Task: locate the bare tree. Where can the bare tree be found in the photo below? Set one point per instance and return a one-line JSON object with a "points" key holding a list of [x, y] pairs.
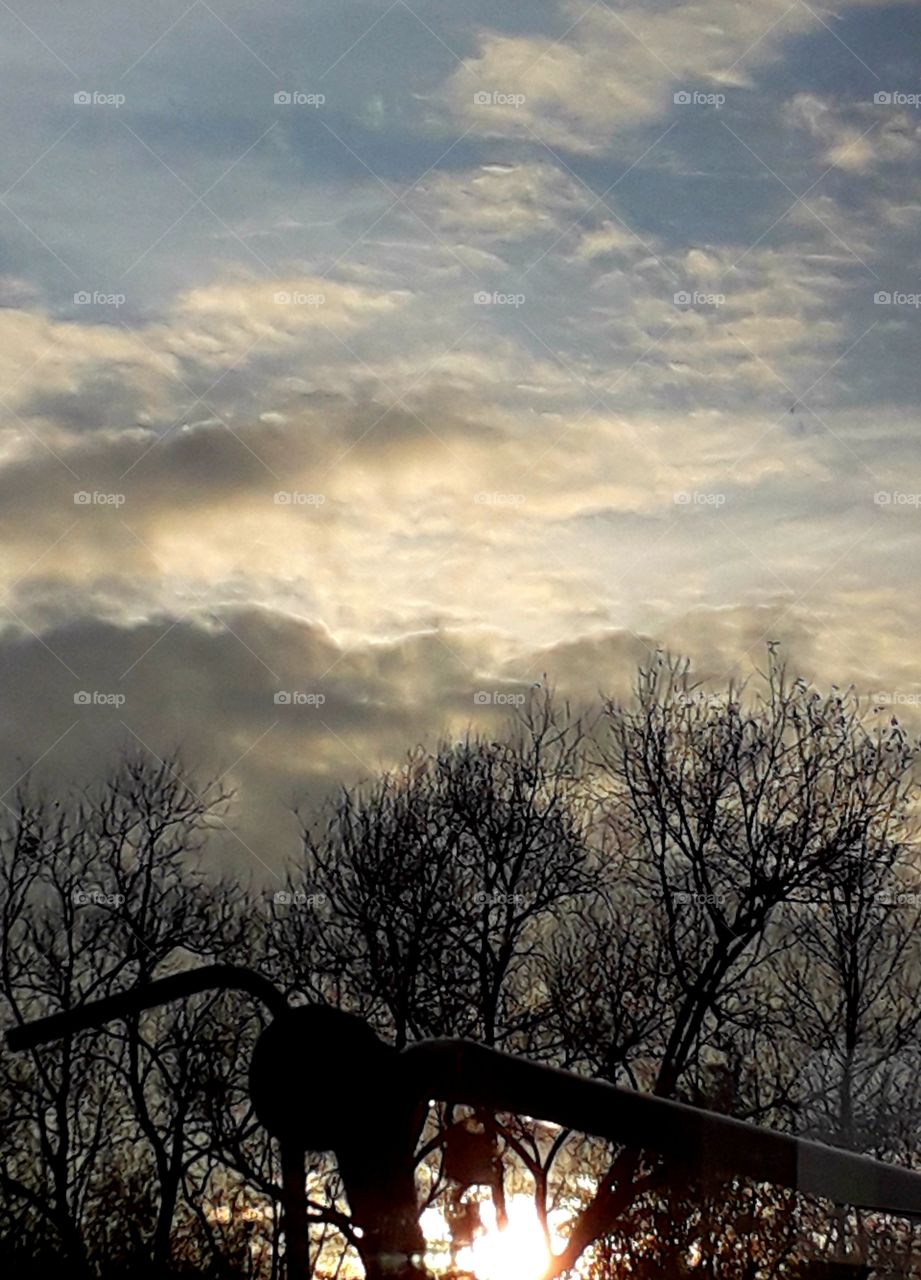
{"points": [[706, 895], [96, 896], [426, 903]]}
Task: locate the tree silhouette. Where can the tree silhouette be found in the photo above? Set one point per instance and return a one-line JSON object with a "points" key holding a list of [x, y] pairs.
{"points": [[707, 895]]}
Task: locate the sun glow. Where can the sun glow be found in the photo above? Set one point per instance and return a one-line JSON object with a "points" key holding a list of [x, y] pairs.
{"points": [[517, 1253]]}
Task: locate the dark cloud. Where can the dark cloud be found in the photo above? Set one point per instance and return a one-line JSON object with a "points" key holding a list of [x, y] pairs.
{"points": [[271, 704]]}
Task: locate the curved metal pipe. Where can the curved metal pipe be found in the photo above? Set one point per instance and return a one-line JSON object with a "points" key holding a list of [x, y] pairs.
{"points": [[178, 986]]}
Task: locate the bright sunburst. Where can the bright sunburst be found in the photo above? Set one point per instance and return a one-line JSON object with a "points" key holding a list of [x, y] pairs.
{"points": [[517, 1253]]}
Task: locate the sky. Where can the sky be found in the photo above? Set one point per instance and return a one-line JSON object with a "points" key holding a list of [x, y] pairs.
{"points": [[363, 363]]}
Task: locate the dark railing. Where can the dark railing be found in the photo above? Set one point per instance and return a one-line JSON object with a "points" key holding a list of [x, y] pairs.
{"points": [[322, 1080]]}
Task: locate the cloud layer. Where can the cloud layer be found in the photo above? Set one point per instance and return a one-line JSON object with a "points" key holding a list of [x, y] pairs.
{"points": [[408, 352]]}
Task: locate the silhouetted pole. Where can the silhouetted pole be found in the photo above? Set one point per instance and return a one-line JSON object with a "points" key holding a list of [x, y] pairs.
{"points": [[324, 1080], [294, 1211]]}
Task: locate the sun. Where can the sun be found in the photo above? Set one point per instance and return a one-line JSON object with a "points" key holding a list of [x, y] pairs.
{"points": [[517, 1253]]}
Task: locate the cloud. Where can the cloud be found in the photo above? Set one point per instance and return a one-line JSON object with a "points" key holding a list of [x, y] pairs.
{"points": [[616, 68], [283, 714], [418, 390], [856, 138], [272, 705]]}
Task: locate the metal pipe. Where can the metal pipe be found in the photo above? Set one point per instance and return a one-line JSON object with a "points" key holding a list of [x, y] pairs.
{"points": [[464, 1072], [461, 1071], [178, 986]]}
